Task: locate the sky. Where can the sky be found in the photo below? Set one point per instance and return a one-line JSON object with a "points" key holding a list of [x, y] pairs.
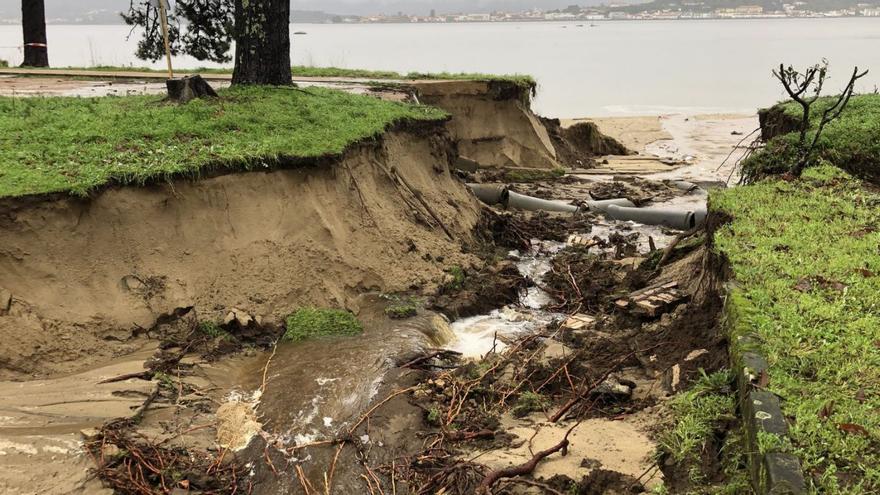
{"points": [[73, 8]]}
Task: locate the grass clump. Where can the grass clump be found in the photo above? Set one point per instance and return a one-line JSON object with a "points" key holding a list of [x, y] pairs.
{"points": [[527, 403], [806, 261], [76, 145], [701, 418], [850, 142], [532, 174], [213, 330], [455, 279], [401, 308], [309, 323]]}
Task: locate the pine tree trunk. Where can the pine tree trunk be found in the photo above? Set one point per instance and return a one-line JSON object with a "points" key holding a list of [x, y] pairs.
{"points": [[262, 42], [33, 17]]}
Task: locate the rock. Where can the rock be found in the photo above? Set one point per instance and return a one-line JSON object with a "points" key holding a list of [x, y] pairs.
{"points": [[239, 317], [614, 388]]}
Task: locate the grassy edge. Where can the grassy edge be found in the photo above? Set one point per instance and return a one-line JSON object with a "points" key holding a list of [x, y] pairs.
{"points": [[772, 226]]}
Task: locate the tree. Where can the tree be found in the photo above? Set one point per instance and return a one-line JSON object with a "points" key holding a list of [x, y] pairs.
{"points": [[205, 29], [805, 88], [33, 23]]}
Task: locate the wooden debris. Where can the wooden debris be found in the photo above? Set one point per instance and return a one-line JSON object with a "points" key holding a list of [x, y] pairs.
{"points": [[653, 301], [579, 322], [577, 240]]}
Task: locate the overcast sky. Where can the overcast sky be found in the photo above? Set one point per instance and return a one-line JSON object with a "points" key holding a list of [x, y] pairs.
{"points": [[72, 8]]}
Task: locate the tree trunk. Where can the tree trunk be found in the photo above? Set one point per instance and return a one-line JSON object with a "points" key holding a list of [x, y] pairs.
{"points": [[33, 23], [262, 42]]}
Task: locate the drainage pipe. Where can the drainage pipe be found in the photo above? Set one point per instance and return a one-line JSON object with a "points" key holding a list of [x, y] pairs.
{"points": [[602, 205], [676, 219], [523, 202], [491, 194]]}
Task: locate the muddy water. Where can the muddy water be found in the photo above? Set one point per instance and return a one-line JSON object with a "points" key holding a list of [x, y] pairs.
{"points": [[315, 389]]}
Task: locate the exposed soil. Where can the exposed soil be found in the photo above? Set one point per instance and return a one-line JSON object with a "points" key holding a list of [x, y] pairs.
{"points": [[232, 241], [493, 130], [578, 145]]}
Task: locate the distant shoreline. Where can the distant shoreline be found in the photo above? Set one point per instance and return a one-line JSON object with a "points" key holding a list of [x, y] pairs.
{"points": [[518, 21]]}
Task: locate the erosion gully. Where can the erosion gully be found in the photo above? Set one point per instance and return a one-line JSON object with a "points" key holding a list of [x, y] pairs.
{"points": [[315, 390]]}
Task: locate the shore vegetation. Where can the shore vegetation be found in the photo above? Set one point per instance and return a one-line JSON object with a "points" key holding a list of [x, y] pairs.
{"points": [[77, 145], [804, 257], [849, 142], [310, 323]]}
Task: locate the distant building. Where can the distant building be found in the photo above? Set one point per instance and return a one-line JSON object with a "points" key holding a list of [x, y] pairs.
{"points": [[871, 12]]}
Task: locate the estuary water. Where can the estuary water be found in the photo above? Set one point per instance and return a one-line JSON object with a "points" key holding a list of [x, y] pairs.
{"points": [[609, 68]]}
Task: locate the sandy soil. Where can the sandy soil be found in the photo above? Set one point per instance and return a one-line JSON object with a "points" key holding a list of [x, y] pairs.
{"points": [[265, 243], [634, 132]]}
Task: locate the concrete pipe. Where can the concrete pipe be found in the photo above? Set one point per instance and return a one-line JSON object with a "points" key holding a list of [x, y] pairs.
{"points": [[676, 219], [684, 185], [700, 216], [491, 194], [523, 202], [602, 205]]}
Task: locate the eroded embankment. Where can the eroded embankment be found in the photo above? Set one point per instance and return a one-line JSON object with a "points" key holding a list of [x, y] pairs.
{"points": [[492, 123], [85, 275]]}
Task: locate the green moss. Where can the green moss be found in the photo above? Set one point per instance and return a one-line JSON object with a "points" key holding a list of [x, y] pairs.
{"points": [[821, 339], [457, 280], [529, 402], [532, 174], [75, 145], [401, 308], [213, 330], [434, 416], [309, 323], [849, 142]]}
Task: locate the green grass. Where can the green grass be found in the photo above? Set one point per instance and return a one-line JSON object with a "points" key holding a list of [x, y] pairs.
{"points": [[523, 175], [75, 145], [698, 416], [524, 81], [309, 323], [400, 308], [822, 339], [850, 142]]}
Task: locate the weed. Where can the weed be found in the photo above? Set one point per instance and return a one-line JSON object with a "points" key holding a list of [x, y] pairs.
{"points": [[402, 307], [308, 323], [434, 417], [529, 402], [456, 280], [532, 175]]}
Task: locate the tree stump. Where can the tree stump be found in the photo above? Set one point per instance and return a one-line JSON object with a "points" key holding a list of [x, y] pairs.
{"points": [[189, 88]]}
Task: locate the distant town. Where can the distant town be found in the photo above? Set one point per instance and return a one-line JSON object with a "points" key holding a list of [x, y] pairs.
{"points": [[684, 10], [655, 10]]}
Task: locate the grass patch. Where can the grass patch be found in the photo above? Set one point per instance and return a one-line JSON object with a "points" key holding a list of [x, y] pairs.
{"points": [[400, 308], [850, 142], [700, 418], [531, 174], [76, 145], [309, 323], [520, 80], [213, 330], [806, 261], [527, 403]]}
